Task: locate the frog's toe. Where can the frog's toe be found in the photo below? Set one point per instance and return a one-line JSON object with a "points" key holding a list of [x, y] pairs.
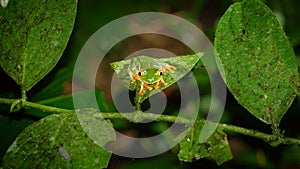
{"points": [[163, 83]]}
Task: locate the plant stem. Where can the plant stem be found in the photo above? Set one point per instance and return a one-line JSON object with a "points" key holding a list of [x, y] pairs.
{"points": [[144, 116], [137, 101], [47, 108], [36, 106], [23, 94], [273, 139]]}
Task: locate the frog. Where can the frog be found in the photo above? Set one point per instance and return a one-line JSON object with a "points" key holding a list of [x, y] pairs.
{"points": [[149, 77]]}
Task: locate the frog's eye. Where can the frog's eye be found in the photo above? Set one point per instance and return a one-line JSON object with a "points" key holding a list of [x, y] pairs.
{"points": [[160, 73], [140, 73]]}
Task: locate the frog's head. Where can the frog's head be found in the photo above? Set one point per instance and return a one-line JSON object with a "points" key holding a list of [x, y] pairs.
{"points": [[150, 77]]}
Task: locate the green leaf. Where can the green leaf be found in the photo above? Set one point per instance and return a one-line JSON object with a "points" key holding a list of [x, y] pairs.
{"points": [[257, 59], [93, 124], [33, 36], [11, 125], [57, 141], [183, 65], [215, 147], [295, 83]]}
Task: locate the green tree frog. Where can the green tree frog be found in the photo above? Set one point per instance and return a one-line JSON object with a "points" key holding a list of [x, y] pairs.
{"points": [[151, 77]]}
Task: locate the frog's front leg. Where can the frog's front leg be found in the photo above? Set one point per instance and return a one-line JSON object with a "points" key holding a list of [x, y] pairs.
{"points": [[143, 86], [160, 82], [134, 76]]}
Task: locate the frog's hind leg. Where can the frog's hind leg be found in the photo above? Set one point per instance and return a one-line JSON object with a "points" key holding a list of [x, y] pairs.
{"points": [[168, 67]]}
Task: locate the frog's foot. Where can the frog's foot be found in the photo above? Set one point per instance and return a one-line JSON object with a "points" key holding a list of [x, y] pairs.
{"points": [[168, 67], [147, 86], [143, 86], [163, 83], [158, 83], [141, 92]]}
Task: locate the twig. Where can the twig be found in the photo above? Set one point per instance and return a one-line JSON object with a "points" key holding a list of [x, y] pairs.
{"points": [[273, 139]]}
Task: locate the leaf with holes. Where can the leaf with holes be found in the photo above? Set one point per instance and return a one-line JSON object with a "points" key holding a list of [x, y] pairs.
{"points": [[59, 141], [215, 147], [257, 59], [33, 36], [148, 75]]}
